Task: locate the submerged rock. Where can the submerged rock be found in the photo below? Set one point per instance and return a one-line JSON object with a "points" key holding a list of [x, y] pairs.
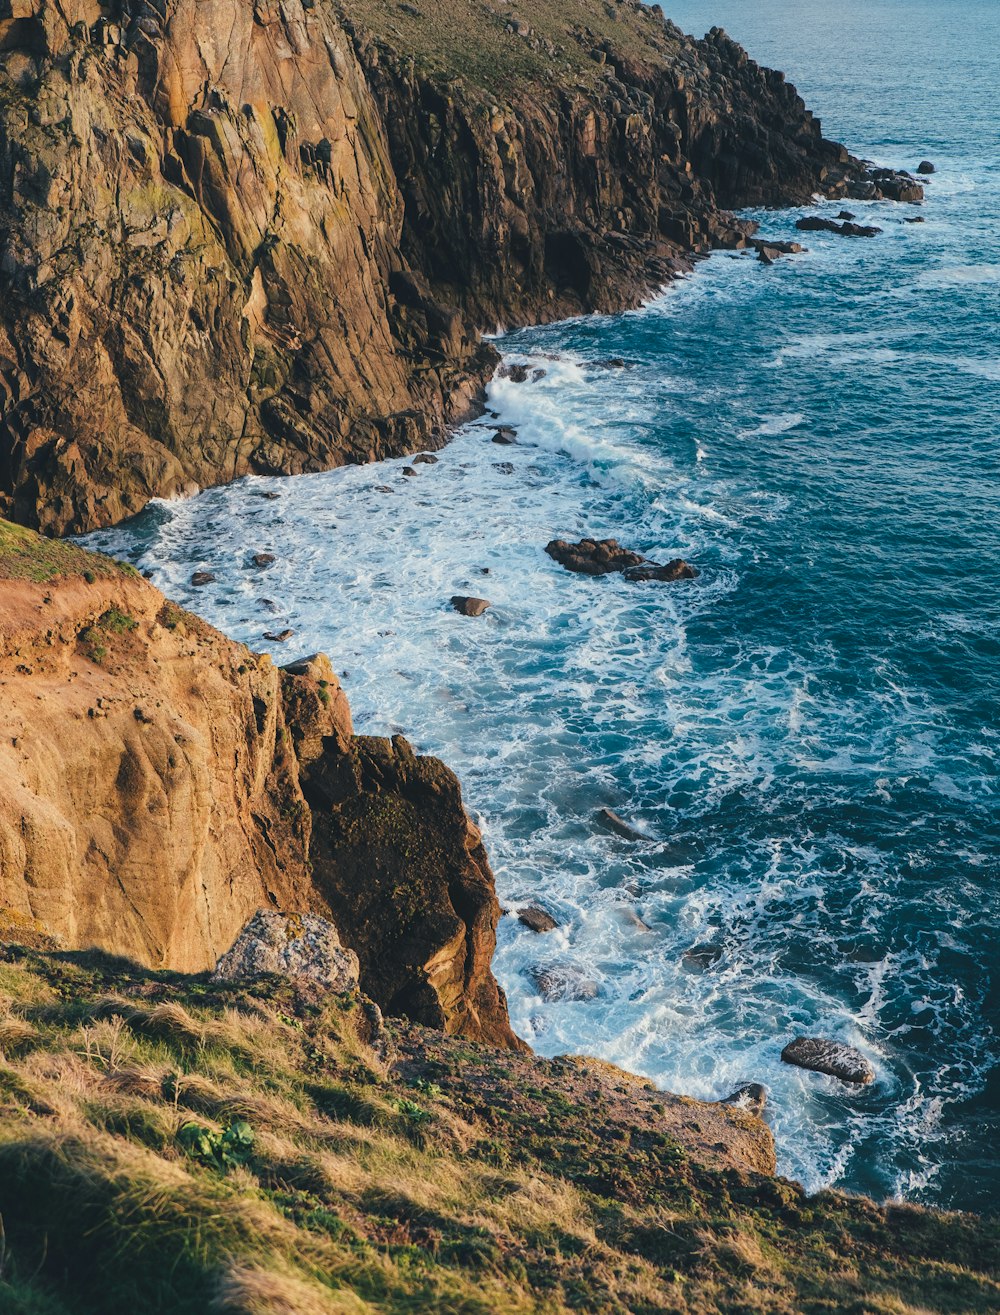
{"points": [[537, 919], [610, 820], [295, 945], [564, 982], [467, 606], [262, 559], [699, 958], [505, 436], [831, 1057]]}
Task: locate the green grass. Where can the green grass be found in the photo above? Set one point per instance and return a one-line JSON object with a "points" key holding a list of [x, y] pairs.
{"points": [[25, 555], [469, 39], [168, 1145]]}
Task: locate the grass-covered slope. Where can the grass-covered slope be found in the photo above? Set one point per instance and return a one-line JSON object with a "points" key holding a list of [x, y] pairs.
{"points": [[167, 1145]]}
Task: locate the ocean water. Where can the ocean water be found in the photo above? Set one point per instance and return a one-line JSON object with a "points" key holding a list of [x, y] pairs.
{"points": [[807, 734]]}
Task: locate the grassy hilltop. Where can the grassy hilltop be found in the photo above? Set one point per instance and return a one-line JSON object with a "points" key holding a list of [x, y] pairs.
{"points": [[167, 1145]]}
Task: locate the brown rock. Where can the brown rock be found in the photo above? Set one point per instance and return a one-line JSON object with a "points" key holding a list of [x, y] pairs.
{"points": [[593, 556], [829, 1057], [210, 340], [160, 784], [157, 837], [505, 436], [262, 559], [536, 919], [407, 879], [279, 636], [610, 820], [678, 569], [469, 606], [200, 578]]}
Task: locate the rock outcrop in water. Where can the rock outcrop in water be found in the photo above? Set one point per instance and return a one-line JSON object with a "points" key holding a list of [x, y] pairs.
{"points": [[239, 235], [160, 784], [608, 557]]}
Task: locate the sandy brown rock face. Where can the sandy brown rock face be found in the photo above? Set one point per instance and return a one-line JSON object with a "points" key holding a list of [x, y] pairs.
{"points": [[237, 235], [149, 803], [159, 785]]}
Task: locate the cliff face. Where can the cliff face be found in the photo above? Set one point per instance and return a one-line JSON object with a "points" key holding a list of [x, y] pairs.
{"points": [[151, 797], [242, 236]]}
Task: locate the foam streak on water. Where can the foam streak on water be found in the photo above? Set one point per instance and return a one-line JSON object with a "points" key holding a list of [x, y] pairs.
{"points": [[807, 733]]}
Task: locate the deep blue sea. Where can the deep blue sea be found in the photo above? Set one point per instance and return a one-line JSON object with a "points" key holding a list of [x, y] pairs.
{"points": [[808, 733]]}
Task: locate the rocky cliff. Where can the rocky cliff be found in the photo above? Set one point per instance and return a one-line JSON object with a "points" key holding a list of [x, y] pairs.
{"points": [[262, 235], [159, 784]]}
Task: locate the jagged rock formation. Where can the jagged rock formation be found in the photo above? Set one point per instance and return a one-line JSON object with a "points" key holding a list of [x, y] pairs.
{"points": [[159, 784], [243, 235], [399, 863]]}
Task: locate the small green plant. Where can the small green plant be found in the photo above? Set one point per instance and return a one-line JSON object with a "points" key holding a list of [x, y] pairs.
{"points": [[430, 1089], [116, 622], [219, 1150], [411, 1110]]}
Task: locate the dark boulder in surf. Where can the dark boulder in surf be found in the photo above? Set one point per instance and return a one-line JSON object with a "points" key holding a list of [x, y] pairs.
{"points": [[537, 919], [752, 1097], [593, 556], [678, 569], [817, 224], [925, 167], [517, 374], [469, 606], [607, 556], [831, 1057]]}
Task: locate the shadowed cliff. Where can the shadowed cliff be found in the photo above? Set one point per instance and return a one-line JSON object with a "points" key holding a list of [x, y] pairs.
{"points": [[257, 236]]}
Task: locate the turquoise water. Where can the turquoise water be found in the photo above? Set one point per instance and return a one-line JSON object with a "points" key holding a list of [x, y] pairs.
{"points": [[808, 732]]}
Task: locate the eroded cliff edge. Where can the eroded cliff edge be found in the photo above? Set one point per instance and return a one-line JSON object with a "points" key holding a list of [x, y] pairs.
{"points": [[263, 235], [160, 783]]}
